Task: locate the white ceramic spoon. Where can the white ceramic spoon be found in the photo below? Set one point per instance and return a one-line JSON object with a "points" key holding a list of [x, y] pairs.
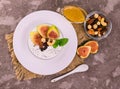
{"points": [[80, 68]]}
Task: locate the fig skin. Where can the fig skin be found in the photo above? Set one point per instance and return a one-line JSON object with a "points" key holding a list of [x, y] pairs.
{"points": [[36, 38], [94, 46], [53, 33], [83, 51], [43, 29]]}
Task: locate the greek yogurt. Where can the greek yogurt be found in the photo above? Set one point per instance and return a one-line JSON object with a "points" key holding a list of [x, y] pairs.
{"points": [[48, 53]]}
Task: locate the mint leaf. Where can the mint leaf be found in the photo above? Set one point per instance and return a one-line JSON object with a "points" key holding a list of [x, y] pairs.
{"points": [[55, 45], [60, 42], [63, 41]]}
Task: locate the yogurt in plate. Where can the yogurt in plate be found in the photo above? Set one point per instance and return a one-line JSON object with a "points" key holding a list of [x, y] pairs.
{"points": [[49, 53]]}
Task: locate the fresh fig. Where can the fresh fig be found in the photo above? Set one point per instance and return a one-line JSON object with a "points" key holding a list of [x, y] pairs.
{"points": [[35, 38], [94, 46], [43, 29], [53, 32], [84, 51]]}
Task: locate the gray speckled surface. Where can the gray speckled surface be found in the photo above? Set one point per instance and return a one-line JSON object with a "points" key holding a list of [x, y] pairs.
{"points": [[104, 72]]}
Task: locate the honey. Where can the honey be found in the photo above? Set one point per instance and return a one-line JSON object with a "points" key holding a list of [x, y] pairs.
{"points": [[74, 14]]}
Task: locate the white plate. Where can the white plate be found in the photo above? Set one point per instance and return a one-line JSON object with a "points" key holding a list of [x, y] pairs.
{"points": [[25, 56]]}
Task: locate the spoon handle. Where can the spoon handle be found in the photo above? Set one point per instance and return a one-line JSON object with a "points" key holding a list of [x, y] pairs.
{"points": [[58, 78], [81, 68]]}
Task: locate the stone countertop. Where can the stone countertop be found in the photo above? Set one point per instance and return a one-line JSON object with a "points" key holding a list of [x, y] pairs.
{"points": [[104, 72]]}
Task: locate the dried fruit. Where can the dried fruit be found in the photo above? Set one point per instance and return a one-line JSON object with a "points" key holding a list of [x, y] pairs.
{"points": [[99, 29], [91, 32], [53, 32], [84, 51], [94, 46], [96, 25], [90, 21], [99, 18]]}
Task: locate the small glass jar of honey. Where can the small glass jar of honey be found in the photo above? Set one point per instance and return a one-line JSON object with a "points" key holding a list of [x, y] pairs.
{"points": [[74, 14]]}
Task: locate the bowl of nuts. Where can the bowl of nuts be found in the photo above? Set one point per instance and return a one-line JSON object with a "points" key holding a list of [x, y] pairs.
{"points": [[97, 26]]}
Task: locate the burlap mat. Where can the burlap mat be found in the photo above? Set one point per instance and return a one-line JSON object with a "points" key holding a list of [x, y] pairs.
{"points": [[24, 74]]}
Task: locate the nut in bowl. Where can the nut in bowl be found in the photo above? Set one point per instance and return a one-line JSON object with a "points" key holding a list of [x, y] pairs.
{"points": [[97, 26]]}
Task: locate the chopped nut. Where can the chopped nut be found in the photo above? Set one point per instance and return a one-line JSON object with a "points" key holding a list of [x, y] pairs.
{"points": [[102, 20], [104, 23], [99, 35], [98, 23], [96, 15], [104, 33], [96, 32], [95, 26], [89, 26], [43, 40], [50, 42]]}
